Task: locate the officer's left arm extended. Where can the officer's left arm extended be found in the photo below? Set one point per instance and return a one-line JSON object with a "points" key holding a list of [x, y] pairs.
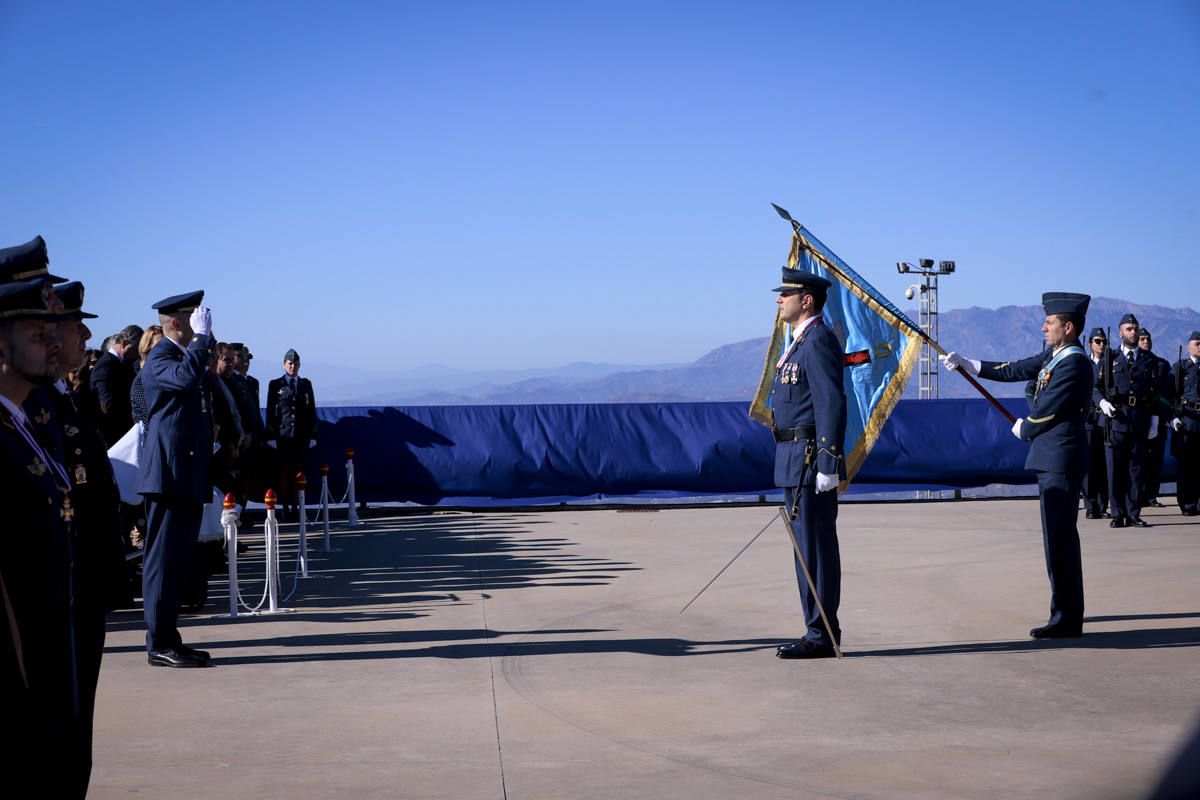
{"points": [[825, 370], [1024, 370], [1065, 395]]}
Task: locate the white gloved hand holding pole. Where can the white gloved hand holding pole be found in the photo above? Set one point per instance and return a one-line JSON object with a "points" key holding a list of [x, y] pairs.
{"points": [[953, 361], [201, 321], [826, 482], [1016, 428]]}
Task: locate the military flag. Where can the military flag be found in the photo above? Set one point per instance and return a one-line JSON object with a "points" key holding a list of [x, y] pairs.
{"points": [[881, 346]]}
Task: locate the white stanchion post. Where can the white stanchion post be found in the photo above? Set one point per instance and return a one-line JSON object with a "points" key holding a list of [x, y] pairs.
{"points": [[325, 509], [301, 486], [352, 516], [272, 529], [229, 522]]}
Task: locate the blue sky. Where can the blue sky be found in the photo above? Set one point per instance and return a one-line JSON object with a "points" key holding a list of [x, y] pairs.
{"points": [[507, 185]]}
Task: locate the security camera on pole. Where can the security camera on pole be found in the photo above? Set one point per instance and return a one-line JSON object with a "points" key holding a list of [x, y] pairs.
{"points": [[928, 319]]}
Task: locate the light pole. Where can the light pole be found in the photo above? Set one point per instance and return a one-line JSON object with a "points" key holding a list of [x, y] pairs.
{"points": [[927, 318]]}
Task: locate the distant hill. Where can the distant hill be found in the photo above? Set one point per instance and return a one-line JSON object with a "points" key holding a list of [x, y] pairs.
{"points": [[729, 372]]}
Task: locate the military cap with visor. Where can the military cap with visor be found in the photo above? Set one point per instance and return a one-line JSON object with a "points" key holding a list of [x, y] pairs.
{"points": [[799, 279], [26, 300], [1065, 303], [24, 262], [71, 295], [179, 303]]}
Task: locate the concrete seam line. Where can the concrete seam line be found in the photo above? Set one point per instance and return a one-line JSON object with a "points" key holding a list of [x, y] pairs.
{"points": [[488, 647]]}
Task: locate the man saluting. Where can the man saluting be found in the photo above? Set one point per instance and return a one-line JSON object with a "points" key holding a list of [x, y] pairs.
{"points": [[1058, 449]]}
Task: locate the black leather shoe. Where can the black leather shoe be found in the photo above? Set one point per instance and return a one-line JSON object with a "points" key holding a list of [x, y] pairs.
{"points": [[805, 649], [1062, 630], [204, 654], [1090, 514], [1155, 503], [1189, 512], [1138, 522], [1118, 522], [175, 657]]}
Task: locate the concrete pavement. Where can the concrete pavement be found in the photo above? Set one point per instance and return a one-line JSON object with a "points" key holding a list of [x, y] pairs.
{"points": [[542, 655]]}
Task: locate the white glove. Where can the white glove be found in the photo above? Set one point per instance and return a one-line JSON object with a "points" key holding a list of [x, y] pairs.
{"points": [[1176, 424], [826, 482], [1107, 408], [312, 443], [1153, 428], [271, 443], [953, 361], [201, 321], [1016, 428]]}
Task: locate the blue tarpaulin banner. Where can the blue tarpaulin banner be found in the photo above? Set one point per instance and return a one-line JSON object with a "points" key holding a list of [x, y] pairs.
{"points": [[549, 453]]}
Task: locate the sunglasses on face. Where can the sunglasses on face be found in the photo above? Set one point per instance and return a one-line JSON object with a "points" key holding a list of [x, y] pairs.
{"points": [[1099, 341]]}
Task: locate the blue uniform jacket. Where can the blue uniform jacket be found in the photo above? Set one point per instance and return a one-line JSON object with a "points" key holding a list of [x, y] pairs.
{"points": [[1188, 402], [178, 445], [1135, 393], [1054, 427], [808, 391]]}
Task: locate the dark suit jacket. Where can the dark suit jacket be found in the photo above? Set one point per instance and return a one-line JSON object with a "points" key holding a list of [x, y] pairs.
{"points": [[808, 391], [111, 379], [291, 414], [1054, 427], [179, 436]]}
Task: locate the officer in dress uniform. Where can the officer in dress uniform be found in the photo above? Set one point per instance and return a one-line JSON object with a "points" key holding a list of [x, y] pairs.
{"points": [[1130, 406], [39, 668], [1095, 481], [1185, 426], [1156, 448], [291, 423], [102, 574], [809, 405], [1058, 450], [173, 473]]}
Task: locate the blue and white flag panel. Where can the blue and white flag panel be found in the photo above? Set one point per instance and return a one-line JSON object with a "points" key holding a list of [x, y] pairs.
{"points": [[881, 347]]}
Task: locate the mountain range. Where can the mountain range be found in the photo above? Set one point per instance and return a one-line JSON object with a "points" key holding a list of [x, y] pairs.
{"points": [[729, 372]]}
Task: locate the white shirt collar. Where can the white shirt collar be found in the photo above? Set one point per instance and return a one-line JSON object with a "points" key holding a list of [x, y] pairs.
{"points": [[18, 413], [177, 344], [61, 385], [115, 353]]}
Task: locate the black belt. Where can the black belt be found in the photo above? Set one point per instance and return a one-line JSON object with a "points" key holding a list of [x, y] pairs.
{"points": [[1131, 400], [802, 434]]}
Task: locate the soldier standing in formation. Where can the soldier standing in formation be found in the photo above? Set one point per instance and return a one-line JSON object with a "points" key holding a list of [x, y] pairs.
{"points": [[1156, 447], [1185, 426], [1130, 406], [1095, 481], [49, 653]]}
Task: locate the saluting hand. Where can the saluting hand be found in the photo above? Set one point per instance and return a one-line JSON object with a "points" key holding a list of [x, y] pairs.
{"points": [[201, 321]]}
